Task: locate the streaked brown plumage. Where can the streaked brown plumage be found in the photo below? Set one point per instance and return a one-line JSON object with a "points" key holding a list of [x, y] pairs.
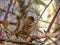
{"points": [[28, 27]]}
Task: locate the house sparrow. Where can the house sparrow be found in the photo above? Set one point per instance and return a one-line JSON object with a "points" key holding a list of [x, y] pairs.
{"points": [[28, 27]]}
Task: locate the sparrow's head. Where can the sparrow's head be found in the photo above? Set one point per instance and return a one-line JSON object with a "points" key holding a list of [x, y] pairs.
{"points": [[30, 19]]}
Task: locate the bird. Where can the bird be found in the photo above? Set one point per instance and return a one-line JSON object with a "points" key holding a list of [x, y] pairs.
{"points": [[28, 27]]}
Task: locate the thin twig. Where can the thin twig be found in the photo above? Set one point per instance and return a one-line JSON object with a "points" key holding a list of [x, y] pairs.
{"points": [[44, 10], [7, 12]]}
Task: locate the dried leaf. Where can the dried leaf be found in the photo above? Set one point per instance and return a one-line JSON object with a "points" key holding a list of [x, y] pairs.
{"points": [[6, 23]]}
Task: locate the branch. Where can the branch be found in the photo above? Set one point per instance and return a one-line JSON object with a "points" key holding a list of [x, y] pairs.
{"points": [[32, 37], [49, 27], [18, 41], [43, 35], [27, 5], [44, 10], [23, 9], [6, 15]]}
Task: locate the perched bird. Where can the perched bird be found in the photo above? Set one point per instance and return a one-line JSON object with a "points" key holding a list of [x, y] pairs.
{"points": [[28, 27]]}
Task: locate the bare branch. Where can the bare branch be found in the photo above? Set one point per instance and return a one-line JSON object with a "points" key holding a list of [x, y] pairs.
{"points": [[49, 27], [18, 41], [44, 10], [33, 37], [43, 35]]}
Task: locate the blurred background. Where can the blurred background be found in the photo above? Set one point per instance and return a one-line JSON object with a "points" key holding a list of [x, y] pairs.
{"points": [[42, 11]]}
